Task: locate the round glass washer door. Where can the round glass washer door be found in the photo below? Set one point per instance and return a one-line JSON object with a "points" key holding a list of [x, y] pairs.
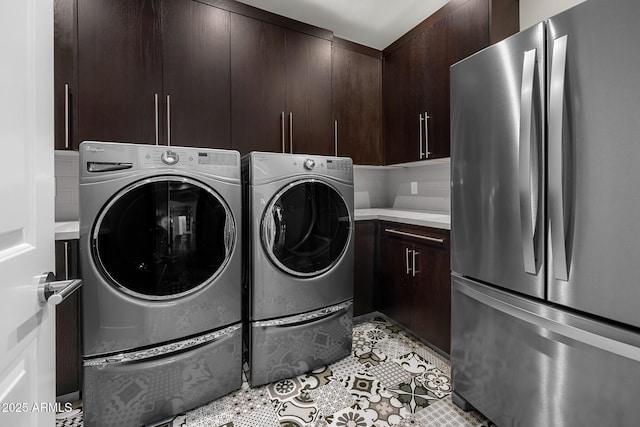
{"points": [[306, 228], [163, 237]]}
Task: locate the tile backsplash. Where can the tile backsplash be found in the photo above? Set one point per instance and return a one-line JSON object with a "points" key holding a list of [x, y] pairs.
{"points": [[391, 187], [67, 185]]}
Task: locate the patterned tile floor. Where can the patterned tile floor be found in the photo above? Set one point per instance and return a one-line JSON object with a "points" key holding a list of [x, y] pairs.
{"points": [[390, 379]]}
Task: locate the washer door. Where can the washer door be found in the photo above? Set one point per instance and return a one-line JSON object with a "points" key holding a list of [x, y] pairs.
{"points": [[306, 228], [163, 238]]}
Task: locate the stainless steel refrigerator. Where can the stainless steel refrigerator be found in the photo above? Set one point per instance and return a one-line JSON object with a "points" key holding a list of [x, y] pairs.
{"points": [[545, 232]]}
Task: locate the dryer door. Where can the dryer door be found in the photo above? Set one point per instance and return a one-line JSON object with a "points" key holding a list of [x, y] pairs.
{"points": [[306, 228], [163, 237]]}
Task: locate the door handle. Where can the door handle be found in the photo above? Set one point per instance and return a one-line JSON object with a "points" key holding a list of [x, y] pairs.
{"points": [[335, 137], [168, 121], [406, 260], [157, 119], [282, 130], [527, 177], [420, 120], [556, 159], [290, 132], [54, 292], [413, 263], [426, 135], [66, 116]]}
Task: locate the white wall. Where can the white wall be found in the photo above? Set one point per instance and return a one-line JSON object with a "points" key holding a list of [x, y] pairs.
{"points": [[534, 11]]}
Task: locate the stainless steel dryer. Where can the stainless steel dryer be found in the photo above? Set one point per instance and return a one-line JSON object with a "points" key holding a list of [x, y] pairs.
{"points": [[298, 276], [160, 258]]}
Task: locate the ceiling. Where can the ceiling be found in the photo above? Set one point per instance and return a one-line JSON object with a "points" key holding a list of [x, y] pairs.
{"points": [[373, 23]]}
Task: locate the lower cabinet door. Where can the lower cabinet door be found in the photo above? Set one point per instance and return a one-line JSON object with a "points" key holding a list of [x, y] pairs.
{"points": [[138, 388], [290, 346]]}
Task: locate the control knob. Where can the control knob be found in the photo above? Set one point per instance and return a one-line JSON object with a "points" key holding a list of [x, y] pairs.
{"points": [[170, 157], [309, 164]]}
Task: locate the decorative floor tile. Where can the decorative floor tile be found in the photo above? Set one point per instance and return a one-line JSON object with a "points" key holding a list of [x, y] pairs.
{"points": [[390, 374], [444, 413], [299, 411], [436, 382], [264, 417], [394, 347], [331, 398], [389, 410], [354, 416], [362, 386], [316, 378], [413, 363], [414, 396], [368, 356], [433, 358], [345, 367]]}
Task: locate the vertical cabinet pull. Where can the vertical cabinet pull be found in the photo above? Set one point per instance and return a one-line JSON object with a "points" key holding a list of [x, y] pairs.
{"points": [[66, 260], [157, 119], [335, 137], [66, 115], [426, 135], [282, 130], [420, 120], [290, 132], [414, 271], [406, 259], [169, 120]]}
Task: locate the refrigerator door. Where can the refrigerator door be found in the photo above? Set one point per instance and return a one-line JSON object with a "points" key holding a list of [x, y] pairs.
{"points": [[525, 363], [497, 164], [594, 153]]}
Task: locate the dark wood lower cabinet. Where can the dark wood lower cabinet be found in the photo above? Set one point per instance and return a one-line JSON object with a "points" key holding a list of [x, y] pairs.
{"points": [[68, 321], [365, 268], [415, 280]]}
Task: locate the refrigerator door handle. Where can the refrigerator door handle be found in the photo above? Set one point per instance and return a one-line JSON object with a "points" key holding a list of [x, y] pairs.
{"points": [[556, 159], [527, 176]]}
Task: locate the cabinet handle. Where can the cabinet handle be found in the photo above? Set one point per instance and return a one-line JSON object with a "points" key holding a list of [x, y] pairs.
{"points": [[290, 132], [66, 115], [282, 129], [420, 120], [168, 120], [157, 124], [406, 259], [417, 236], [413, 264], [66, 260], [426, 135], [335, 137]]}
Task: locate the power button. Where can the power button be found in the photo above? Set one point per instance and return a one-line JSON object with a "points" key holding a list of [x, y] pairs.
{"points": [[309, 164], [169, 157]]}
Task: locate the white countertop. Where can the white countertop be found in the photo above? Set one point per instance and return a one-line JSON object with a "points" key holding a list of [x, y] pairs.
{"points": [[425, 219], [67, 230]]}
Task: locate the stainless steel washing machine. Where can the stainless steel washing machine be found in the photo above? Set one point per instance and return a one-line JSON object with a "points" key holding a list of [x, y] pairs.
{"points": [[160, 256], [298, 275]]}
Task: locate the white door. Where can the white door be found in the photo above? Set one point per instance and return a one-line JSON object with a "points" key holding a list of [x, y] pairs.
{"points": [[27, 327]]}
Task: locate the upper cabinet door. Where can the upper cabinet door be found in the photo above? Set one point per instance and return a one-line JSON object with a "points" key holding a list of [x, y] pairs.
{"points": [[308, 74], [258, 100], [357, 100], [64, 70], [120, 70], [196, 74]]}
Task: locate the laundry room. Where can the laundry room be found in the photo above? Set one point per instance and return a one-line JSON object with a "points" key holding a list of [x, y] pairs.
{"points": [[263, 213]]}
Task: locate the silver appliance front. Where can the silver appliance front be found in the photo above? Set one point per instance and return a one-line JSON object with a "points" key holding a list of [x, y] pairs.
{"points": [[522, 362], [137, 388], [497, 197], [290, 346], [159, 244]]}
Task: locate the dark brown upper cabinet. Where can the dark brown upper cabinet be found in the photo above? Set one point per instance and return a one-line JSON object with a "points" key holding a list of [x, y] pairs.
{"points": [[416, 74], [65, 81], [281, 89], [153, 72], [357, 102]]}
